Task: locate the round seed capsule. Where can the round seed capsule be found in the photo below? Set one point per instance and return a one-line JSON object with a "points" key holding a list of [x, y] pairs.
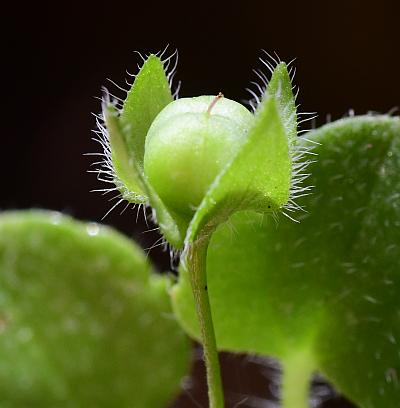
{"points": [[188, 145]]}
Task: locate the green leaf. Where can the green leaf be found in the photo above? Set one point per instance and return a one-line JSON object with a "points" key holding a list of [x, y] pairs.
{"points": [[258, 178], [149, 94], [327, 288], [83, 320]]}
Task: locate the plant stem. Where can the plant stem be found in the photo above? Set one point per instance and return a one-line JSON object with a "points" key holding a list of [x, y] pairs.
{"points": [[196, 265], [296, 380]]}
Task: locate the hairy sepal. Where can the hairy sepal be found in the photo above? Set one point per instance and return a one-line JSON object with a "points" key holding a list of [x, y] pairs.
{"points": [[281, 89], [258, 178], [149, 94], [127, 132], [128, 177], [133, 185]]}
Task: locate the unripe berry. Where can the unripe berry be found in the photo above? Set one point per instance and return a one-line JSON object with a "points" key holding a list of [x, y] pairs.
{"points": [[188, 145]]}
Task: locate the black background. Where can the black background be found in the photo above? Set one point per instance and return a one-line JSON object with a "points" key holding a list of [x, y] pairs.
{"points": [[57, 56]]}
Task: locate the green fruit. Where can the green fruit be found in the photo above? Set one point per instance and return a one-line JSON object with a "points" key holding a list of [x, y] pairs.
{"points": [[188, 145]]}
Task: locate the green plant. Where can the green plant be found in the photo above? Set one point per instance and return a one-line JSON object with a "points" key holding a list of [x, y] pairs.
{"points": [[216, 177], [248, 162]]}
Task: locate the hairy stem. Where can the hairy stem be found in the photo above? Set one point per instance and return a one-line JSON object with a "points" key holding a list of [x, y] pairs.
{"points": [[196, 265], [296, 380]]}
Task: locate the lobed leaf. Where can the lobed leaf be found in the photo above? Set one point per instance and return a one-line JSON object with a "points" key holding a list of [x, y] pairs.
{"points": [[327, 288], [83, 319]]}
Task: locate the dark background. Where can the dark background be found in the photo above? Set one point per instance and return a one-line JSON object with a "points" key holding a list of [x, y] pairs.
{"points": [[57, 56]]}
